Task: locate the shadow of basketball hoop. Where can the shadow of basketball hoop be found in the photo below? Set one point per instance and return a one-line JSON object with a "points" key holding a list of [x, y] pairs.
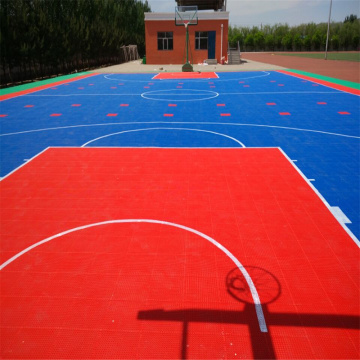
{"points": [[266, 284]]}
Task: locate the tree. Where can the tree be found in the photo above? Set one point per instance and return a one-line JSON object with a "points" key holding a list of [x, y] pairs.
{"points": [[335, 42], [259, 40], [355, 41], [297, 42], [307, 42], [269, 42], [352, 18], [249, 42], [316, 41], [239, 38], [307, 37], [287, 41]]}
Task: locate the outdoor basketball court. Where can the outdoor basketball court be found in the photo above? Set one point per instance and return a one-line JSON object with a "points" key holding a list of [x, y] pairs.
{"points": [[211, 215]]}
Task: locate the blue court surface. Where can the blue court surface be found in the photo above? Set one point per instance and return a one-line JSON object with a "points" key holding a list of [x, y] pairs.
{"points": [[316, 126]]}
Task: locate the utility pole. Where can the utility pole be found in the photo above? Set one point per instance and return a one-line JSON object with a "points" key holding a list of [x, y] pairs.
{"points": [[328, 31]]}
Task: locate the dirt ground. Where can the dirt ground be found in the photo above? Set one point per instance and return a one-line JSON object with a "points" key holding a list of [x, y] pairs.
{"points": [[345, 70]]}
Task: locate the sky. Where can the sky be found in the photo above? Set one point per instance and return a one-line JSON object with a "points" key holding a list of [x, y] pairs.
{"points": [[270, 12]]}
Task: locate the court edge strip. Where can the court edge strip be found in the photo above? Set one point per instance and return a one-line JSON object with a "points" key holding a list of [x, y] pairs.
{"points": [[350, 84], [44, 87], [322, 82], [316, 191]]}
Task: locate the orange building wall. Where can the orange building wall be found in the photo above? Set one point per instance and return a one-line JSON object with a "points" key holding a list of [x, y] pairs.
{"points": [[177, 55]]}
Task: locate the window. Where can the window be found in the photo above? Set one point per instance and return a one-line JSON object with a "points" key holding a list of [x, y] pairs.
{"points": [[201, 40], [165, 40]]}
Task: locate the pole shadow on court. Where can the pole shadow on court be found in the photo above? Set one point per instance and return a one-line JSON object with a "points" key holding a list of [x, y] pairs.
{"points": [[269, 289]]}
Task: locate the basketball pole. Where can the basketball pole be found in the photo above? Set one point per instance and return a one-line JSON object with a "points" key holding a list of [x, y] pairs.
{"points": [[187, 43], [187, 67], [328, 31]]}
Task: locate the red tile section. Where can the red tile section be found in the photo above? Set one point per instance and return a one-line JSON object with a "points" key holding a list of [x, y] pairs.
{"points": [[173, 105], [76, 105], [271, 104], [284, 113], [125, 105], [56, 114], [344, 113], [112, 114], [321, 103], [225, 114], [147, 290], [169, 115], [29, 106], [220, 104], [186, 75]]}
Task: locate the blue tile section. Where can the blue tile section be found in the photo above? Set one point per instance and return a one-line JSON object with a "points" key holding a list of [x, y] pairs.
{"points": [[324, 142]]}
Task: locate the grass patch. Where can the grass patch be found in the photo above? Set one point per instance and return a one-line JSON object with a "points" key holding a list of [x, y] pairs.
{"points": [[347, 56]]}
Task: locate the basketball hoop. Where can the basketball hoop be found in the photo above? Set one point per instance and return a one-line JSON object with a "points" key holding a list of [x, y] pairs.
{"points": [[186, 15]]}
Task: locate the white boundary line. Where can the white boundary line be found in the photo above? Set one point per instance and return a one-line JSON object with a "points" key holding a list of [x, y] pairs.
{"points": [[254, 293], [26, 162], [219, 94], [149, 129], [348, 231], [180, 123]]}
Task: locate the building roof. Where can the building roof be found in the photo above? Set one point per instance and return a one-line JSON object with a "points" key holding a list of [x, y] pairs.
{"points": [[203, 4], [220, 15]]}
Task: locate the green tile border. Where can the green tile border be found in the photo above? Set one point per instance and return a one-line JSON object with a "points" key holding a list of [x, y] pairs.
{"points": [[36, 84], [349, 84]]}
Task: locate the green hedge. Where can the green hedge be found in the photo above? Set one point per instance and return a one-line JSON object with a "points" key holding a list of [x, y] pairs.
{"points": [[41, 38]]}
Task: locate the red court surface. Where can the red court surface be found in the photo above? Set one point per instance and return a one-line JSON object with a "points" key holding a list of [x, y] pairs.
{"points": [[186, 75], [129, 270]]}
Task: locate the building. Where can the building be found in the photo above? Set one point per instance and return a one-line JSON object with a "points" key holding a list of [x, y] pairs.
{"points": [[166, 43]]}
